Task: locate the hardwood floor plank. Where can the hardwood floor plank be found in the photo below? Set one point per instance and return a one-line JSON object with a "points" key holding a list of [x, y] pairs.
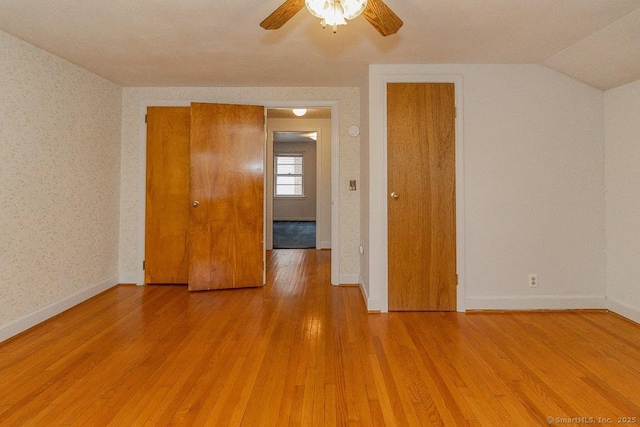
{"points": [[384, 400], [302, 352]]}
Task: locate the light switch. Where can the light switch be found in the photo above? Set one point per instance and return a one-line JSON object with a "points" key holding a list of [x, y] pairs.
{"points": [[352, 185]]}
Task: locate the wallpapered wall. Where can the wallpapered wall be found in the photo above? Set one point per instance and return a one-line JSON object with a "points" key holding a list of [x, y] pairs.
{"points": [[59, 179], [132, 200]]}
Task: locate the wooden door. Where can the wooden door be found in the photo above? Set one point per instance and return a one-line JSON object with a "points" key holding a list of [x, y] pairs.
{"points": [[421, 199], [226, 228], [167, 195]]}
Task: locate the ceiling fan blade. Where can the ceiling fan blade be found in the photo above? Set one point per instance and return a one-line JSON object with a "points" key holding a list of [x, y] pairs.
{"points": [[382, 18], [281, 15]]}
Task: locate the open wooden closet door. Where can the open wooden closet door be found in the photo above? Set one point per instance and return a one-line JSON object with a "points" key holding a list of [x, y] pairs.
{"points": [[226, 221]]}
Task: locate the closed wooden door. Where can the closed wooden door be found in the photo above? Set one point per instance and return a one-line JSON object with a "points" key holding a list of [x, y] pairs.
{"points": [[226, 227], [421, 199], [167, 195]]}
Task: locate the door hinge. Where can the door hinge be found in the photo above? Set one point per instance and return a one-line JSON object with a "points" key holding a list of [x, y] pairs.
{"points": [[455, 112], [144, 264], [145, 118]]}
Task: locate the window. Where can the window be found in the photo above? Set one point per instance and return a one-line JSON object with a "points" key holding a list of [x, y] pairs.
{"points": [[288, 174]]}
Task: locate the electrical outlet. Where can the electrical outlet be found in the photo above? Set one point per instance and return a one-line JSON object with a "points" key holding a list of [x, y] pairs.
{"points": [[533, 280]]}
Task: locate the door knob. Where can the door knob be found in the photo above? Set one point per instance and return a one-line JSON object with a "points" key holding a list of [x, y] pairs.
{"points": [[195, 203], [394, 195]]}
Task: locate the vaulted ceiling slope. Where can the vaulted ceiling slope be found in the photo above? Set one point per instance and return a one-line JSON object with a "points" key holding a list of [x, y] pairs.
{"points": [[220, 42]]}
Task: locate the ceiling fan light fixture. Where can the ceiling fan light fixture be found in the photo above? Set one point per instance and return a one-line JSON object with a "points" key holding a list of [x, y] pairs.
{"points": [[335, 12], [334, 16], [317, 7], [353, 8]]}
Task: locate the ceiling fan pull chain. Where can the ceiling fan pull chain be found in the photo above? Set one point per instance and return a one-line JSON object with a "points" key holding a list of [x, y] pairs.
{"points": [[335, 26]]}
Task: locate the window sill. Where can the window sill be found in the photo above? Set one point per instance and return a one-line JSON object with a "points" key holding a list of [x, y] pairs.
{"points": [[289, 197]]}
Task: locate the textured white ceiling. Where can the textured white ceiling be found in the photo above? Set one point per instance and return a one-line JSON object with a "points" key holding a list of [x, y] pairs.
{"points": [[219, 42], [294, 137]]}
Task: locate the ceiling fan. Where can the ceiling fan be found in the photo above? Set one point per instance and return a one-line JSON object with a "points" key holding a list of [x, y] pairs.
{"points": [[376, 12]]}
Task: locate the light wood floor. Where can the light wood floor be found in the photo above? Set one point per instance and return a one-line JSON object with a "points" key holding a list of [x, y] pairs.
{"points": [[300, 352]]}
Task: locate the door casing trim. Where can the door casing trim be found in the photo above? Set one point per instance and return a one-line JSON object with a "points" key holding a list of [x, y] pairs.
{"points": [[379, 76]]}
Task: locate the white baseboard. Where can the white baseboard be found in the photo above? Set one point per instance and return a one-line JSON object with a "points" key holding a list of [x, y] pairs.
{"points": [[373, 304], [631, 313], [349, 279], [128, 278], [365, 295], [547, 302], [22, 324], [325, 245]]}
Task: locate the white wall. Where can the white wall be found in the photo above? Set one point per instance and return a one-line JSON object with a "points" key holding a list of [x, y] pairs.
{"points": [[533, 186], [622, 178], [59, 185], [132, 199]]}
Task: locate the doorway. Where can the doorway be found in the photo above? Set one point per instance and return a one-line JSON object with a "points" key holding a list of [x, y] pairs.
{"points": [[295, 187], [299, 179], [379, 193], [421, 200]]}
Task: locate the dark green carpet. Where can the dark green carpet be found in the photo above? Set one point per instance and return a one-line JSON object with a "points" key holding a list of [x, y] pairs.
{"points": [[294, 234]]}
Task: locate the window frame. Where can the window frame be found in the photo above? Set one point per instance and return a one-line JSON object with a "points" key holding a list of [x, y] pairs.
{"points": [[300, 175]]}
